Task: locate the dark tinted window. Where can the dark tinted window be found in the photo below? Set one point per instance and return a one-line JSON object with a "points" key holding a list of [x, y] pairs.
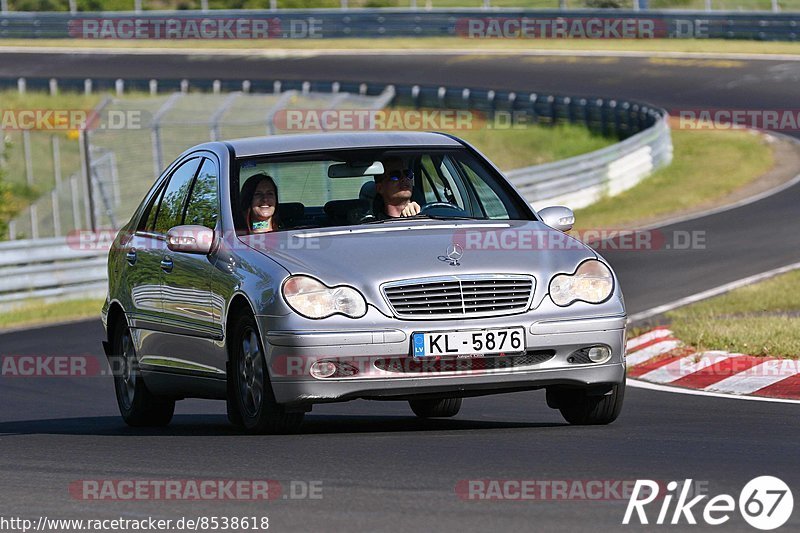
{"points": [[202, 208], [170, 213]]}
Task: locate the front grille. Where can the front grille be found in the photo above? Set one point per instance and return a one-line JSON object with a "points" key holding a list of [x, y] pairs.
{"points": [[459, 296], [410, 365]]}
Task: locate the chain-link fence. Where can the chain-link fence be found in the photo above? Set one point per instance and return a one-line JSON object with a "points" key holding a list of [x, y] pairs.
{"points": [[149, 133]]}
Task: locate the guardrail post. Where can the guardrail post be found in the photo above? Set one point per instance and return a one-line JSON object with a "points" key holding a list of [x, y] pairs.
{"points": [[21, 85], [26, 146], [776, 8], [465, 98], [512, 99], [246, 86], [306, 87], [88, 189], [335, 87], [12, 230], [184, 86], [203, 5], [87, 86], [532, 101], [119, 86], [362, 89], [708, 5], [551, 102], [441, 93], [490, 102], [4, 6], [415, 96], [56, 213], [73, 6], [273, 5], [53, 87], [137, 6], [75, 196], [216, 86], [276, 87], [153, 87]]}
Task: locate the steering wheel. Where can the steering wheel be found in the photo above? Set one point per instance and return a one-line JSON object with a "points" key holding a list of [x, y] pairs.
{"points": [[434, 205]]}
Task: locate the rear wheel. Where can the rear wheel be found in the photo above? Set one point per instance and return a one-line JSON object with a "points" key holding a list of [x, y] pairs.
{"points": [[581, 407], [443, 408], [251, 402], [137, 405]]}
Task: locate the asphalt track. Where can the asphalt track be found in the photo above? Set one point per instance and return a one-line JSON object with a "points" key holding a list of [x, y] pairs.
{"points": [[380, 468]]}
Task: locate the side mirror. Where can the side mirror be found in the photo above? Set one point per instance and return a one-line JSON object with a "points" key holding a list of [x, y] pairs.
{"points": [[558, 217], [190, 239]]}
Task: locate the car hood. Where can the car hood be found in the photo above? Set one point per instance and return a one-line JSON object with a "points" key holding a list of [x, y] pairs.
{"points": [[367, 256]]}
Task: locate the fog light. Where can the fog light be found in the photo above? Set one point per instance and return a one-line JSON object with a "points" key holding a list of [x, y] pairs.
{"points": [[323, 369], [599, 354]]}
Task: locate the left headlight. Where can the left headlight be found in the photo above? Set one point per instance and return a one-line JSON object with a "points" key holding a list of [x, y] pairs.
{"points": [[592, 282], [313, 299]]}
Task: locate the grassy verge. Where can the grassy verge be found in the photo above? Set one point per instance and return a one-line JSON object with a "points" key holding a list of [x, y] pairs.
{"points": [[37, 312], [760, 319], [534, 145], [722, 46], [707, 166]]}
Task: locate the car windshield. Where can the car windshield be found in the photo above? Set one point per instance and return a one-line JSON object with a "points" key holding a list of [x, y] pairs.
{"points": [[353, 187]]}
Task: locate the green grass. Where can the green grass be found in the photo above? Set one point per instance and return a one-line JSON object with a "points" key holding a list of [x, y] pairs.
{"points": [[38, 312], [534, 145], [760, 319], [707, 166], [722, 46]]}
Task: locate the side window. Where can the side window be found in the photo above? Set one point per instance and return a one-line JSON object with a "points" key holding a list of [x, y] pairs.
{"points": [[438, 182], [170, 212], [148, 220], [489, 200], [203, 207]]}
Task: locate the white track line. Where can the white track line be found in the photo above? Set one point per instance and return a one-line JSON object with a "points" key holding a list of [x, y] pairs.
{"points": [[297, 52], [716, 291], [694, 392]]}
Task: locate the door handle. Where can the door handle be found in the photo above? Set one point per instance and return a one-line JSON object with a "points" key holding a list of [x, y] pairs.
{"points": [[131, 257], [166, 264]]}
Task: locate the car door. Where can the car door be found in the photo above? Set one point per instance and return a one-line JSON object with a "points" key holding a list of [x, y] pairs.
{"points": [[189, 311]]}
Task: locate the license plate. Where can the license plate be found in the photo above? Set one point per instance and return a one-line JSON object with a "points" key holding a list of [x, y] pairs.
{"points": [[475, 342]]}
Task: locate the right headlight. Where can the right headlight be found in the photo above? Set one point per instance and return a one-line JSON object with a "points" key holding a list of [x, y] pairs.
{"points": [[592, 282], [313, 299]]}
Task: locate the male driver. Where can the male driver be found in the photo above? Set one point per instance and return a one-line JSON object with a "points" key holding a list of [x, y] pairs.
{"points": [[394, 187]]}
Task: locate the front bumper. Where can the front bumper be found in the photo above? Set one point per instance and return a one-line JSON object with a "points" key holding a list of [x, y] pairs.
{"points": [[291, 354]]}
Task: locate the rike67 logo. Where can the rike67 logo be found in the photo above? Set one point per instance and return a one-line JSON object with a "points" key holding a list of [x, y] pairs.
{"points": [[765, 503]]}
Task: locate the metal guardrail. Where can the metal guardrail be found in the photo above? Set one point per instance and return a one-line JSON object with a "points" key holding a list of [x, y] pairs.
{"points": [[582, 180], [52, 268], [392, 22]]}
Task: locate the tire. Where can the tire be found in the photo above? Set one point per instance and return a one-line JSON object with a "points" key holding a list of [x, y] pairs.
{"points": [[251, 402], [443, 408], [137, 405], [579, 408]]}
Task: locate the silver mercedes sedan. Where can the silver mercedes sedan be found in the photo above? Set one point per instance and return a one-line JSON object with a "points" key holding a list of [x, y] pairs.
{"points": [[280, 272]]}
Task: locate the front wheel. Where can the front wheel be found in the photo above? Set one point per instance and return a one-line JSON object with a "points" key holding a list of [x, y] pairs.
{"points": [[137, 405], [443, 408], [252, 404], [583, 408]]}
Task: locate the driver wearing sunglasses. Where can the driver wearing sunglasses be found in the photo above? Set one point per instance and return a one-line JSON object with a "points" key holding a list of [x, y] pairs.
{"points": [[394, 186]]}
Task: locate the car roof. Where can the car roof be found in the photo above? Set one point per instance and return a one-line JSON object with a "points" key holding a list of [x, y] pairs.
{"points": [[277, 144]]}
